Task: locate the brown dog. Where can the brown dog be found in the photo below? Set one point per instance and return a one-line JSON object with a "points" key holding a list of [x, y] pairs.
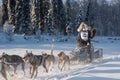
{"points": [[49, 59], [63, 60]]}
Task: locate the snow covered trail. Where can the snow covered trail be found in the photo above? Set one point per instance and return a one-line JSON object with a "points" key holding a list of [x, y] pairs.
{"points": [[107, 69], [108, 66]]}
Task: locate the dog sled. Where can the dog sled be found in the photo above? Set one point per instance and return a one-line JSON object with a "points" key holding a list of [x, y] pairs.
{"points": [[86, 54]]}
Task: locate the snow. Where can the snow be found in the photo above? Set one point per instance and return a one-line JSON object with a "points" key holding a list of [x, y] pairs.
{"points": [[106, 69]]}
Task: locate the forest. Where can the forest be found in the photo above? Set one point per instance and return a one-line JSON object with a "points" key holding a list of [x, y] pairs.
{"points": [[53, 16], [44, 29]]}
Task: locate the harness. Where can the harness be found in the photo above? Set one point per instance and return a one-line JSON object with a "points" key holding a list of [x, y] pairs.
{"points": [[10, 63]]}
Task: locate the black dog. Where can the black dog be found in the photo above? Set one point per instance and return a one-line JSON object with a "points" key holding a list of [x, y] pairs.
{"points": [[13, 60], [35, 61]]}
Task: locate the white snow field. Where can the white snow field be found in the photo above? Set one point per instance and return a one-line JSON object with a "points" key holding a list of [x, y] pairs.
{"points": [[107, 69]]}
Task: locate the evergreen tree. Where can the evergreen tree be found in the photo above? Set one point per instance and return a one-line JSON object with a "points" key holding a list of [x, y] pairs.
{"points": [[44, 10], [26, 22], [91, 11], [88, 11], [50, 29], [5, 11], [68, 11], [11, 11], [18, 16], [22, 17], [35, 15], [81, 13], [46, 7], [38, 7], [41, 20], [58, 16], [61, 26], [54, 13]]}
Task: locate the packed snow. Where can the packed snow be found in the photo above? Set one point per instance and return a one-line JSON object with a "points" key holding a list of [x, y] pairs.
{"points": [[106, 69]]}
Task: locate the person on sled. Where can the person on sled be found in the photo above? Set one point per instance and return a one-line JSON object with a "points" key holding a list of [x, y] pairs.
{"points": [[85, 34]]}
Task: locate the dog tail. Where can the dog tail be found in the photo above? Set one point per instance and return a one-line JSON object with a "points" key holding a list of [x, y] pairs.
{"points": [[52, 47], [52, 52]]}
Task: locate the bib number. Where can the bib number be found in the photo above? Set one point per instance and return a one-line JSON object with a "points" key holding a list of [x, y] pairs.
{"points": [[84, 35]]}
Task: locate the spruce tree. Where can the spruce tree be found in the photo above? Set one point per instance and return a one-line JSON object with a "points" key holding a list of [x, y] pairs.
{"points": [[49, 22], [35, 16], [54, 13], [82, 15], [4, 11], [61, 18], [44, 10], [26, 22], [46, 7], [88, 13], [68, 9], [41, 23], [58, 16], [18, 16], [38, 11], [11, 11]]}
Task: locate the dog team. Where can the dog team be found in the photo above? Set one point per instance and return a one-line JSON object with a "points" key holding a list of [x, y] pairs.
{"points": [[45, 60], [34, 61]]}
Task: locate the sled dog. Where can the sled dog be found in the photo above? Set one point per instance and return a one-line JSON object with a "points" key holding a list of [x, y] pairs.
{"points": [[63, 60], [49, 60], [34, 61], [13, 60]]}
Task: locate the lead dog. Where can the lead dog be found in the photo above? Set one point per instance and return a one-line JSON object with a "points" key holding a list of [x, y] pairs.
{"points": [[13, 60], [34, 61], [63, 60]]}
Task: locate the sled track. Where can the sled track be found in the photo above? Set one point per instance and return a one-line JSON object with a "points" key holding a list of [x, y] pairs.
{"points": [[77, 71], [80, 70]]}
